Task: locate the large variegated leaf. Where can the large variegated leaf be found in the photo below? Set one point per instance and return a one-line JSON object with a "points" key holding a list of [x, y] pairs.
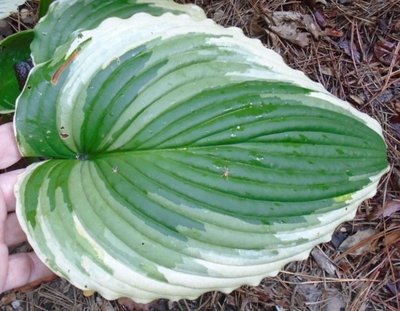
{"points": [[185, 158], [66, 18], [9, 6]]}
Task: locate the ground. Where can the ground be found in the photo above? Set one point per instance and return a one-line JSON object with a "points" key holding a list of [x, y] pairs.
{"points": [[352, 47]]}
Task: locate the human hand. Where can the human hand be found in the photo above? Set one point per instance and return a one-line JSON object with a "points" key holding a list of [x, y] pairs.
{"points": [[18, 269]]}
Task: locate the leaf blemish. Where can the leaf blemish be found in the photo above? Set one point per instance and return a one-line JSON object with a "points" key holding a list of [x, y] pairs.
{"points": [[63, 134], [225, 173], [56, 76]]}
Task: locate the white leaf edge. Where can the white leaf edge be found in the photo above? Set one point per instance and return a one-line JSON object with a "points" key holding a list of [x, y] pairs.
{"points": [[262, 55], [57, 8]]}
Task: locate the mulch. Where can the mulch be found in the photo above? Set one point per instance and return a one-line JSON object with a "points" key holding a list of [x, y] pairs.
{"points": [[352, 47]]}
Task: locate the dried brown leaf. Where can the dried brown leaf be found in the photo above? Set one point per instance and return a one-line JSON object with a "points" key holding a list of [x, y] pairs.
{"points": [[256, 26], [326, 70], [308, 295], [353, 240], [391, 207], [386, 210], [350, 49], [321, 18], [130, 305], [384, 51], [27, 16], [8, 298], [335, 300], [392, 238], [323, 261], [293, 27]]}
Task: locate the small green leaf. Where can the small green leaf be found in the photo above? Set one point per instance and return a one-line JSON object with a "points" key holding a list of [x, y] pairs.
{"points": [[44, 7], [13, 50]]}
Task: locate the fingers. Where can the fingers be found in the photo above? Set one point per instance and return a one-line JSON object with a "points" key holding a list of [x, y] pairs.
{"points": [[23, 269], [3, 265], [14, 234], [9, 153], [3, 217], [7, 183]]}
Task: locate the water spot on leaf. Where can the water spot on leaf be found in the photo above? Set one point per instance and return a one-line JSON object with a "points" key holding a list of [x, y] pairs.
{"points": [[226, 173]]}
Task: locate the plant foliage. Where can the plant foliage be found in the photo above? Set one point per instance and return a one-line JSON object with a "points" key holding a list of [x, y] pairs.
{"points": [[183, 156], [13, 49]]}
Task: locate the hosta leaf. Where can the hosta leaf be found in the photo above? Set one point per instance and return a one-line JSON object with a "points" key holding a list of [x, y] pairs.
{"points": [[9, 6], [66, 18], [13, 50], [185, 158]]}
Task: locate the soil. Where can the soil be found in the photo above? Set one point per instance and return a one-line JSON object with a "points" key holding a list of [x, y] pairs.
{"points": [[352, 47]]}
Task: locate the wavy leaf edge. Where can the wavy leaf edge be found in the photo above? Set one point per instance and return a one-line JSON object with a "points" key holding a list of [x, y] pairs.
{"points": [[298, 78]]}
